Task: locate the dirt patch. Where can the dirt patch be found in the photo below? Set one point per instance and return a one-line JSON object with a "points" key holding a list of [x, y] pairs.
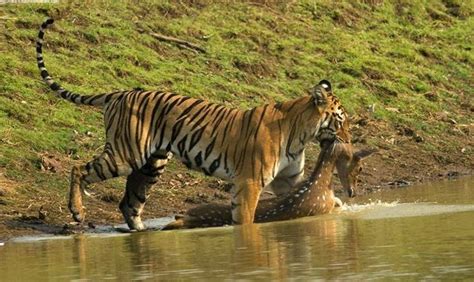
{"points": [[256, 69], [7, 186]]}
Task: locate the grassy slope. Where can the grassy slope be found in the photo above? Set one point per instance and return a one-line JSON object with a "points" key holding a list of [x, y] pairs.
{"points": [[393, 54]]}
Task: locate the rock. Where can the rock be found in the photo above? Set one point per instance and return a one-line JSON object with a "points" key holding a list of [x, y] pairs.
{"points": [[452, 174], [406, 131], [418, 138], [467, 129], [50, 163], [42, 213], [399, 183], [371, 108], [362, 122], [175, 183], [394, 110], [431, 96], [3, 192], [73, 228]]}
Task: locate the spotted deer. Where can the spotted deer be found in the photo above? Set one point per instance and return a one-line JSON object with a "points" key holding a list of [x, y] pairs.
{"points": [[311, 197]]}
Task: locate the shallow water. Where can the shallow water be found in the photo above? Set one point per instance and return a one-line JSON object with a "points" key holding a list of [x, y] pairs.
{"points": [[420, 232]]}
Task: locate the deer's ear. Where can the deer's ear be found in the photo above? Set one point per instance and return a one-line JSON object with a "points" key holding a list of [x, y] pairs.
{"points": [[321, 91], [364, 153]]}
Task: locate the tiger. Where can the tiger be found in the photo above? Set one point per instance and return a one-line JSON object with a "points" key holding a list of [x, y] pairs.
{"points": [[313, 196], [253, 149]]}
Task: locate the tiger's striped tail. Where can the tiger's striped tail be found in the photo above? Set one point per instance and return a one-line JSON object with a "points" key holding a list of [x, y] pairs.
{"points": [[93, 100]]}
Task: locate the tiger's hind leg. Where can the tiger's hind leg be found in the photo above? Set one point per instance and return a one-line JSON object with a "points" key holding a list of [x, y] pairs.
{"points": [[137, 187], [101, 168]]}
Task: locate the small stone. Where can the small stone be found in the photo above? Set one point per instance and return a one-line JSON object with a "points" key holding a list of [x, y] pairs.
{"points": [[431, 96], [418, 138], [399, 183], [50, 163], [371, 108], [452, 174], [42, 213], [362, 122]]}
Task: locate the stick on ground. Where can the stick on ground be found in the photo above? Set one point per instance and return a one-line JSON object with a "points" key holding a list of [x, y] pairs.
{"points": [[178, 41]]}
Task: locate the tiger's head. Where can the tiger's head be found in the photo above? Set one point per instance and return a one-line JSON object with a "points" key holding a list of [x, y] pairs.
{"points": [[334, 119]]}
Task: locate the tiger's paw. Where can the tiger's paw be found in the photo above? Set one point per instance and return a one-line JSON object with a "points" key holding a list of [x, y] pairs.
{"points": [[133, 220], [136, 224], [77, 212], [78, 216]]}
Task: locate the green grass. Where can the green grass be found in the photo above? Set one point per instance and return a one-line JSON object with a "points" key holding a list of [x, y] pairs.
{"points": [[390, 53]]}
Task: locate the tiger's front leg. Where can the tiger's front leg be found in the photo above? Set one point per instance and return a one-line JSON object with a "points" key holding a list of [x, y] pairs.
{"points": [[75, 194], [137, 187], [245, 197]]}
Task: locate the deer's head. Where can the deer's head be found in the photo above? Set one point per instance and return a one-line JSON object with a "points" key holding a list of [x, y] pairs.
{"points": [[349, 166]]}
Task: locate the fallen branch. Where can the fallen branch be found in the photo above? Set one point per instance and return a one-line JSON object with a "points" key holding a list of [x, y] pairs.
{"points": [[180, 42]]}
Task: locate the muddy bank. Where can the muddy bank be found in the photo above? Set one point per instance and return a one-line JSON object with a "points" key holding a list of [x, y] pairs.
{"points": [[401, 161]]}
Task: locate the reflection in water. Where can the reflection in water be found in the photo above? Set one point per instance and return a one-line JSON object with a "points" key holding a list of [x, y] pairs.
{"points": [[414, 240]]}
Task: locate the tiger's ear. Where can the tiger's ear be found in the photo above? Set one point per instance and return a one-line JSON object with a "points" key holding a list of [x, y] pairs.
{"points": [[321, 91], [326, 85]]}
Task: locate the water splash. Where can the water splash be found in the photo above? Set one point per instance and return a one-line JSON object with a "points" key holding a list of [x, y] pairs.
{"points": [[381, 210], [370, 205]]}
